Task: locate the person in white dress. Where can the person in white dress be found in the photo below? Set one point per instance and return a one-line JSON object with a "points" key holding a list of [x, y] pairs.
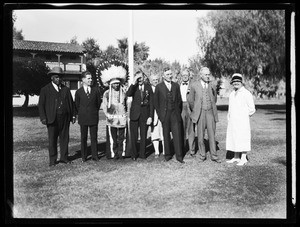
{"points": [[241, 108]]}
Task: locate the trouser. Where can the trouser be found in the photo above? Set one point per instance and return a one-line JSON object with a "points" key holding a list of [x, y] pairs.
{"points": [[115, 142], [94, 140], [172, 124], [59, 128], [134, 125], [207, 121], [188, 128]]}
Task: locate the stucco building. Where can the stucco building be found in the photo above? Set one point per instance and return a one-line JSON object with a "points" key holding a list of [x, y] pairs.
{"points": [[70, 57]]}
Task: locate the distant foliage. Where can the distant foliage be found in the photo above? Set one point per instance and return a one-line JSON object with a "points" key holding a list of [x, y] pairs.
{"points": [[29, 75], [245, 39]]}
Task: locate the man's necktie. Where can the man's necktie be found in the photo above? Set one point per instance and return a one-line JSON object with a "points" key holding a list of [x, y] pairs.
{"points": [[141, 90], [88, 93]]}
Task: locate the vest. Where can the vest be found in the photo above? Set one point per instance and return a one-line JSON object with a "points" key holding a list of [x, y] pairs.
{"points": [[59, 103], [206, 100], [170, 102]]}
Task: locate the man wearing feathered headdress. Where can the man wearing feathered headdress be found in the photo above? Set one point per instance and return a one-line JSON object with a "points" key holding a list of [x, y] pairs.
{"points": [[115, 109]]}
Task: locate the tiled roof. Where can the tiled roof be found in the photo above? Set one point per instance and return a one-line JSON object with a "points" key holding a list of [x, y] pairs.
{"points": [[47, 46]]}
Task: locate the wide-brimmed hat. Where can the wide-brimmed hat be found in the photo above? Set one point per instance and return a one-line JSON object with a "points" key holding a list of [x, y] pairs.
{"points": [[56, 71], [236, 78]]}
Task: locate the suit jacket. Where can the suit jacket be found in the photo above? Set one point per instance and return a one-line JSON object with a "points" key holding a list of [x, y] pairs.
{"points": [[87, 109], [137, 102], [160, 100], [47, 104], [195, 100]]}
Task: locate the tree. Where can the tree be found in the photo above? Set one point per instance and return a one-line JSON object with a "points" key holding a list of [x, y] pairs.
{"points": [[155, 66], [93, 51], [245, 39], [74, 40], [17, 34], [141, 51], [29, 75]]}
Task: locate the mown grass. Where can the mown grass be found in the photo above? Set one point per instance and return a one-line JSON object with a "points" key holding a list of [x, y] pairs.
{"points": [[152, 188]]}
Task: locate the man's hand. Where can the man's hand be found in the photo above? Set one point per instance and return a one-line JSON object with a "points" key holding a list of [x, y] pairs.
{"points": [[149, 121], [136, 79], [44, 122]]}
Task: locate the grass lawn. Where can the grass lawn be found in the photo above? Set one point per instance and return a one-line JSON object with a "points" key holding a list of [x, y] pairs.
{"points": [[151, 188]]}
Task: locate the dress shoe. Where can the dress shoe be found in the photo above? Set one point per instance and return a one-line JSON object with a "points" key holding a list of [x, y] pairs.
{"points": [[202, 159], [233, 160], [65, 162], [52, 164], [242, 162], [181, 161], [95, 159], [216, 160], [133, 159], [83, 160]]}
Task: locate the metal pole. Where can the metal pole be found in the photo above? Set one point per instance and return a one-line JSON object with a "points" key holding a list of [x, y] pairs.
{"points": [[131, 71]]}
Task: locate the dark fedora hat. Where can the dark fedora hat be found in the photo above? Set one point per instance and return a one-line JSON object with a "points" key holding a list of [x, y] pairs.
{"points": [[56, 71]]}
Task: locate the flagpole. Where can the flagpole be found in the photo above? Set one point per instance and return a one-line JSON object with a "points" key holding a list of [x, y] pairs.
{"points": [[131, 72]]}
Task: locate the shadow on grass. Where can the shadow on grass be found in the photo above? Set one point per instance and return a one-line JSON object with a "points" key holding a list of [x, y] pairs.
{"points": [[259, 106], [31, 111], [206, 144], [100, 149], [279, 160]]}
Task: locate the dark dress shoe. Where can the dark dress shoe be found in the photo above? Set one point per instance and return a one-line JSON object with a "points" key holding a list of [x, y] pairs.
{"points": [[133, 159], [66, 162], [181, 161], [95, 159]]}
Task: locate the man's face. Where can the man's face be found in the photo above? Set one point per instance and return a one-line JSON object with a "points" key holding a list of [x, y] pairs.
{"points": [[116, 86], [168, 75], [141, 78], [205, 75], [185, 76], [154, 81], [87, 80], [56, 79]]}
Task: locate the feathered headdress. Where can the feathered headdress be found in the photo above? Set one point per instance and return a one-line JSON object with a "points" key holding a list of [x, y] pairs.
{"points": [[112, 71]]}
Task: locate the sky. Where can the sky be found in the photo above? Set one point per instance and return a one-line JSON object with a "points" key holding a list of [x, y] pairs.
{"points": [[170, 34]]}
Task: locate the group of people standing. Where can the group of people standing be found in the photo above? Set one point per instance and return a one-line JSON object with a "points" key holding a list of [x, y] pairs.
{"points": [[176, 112]]}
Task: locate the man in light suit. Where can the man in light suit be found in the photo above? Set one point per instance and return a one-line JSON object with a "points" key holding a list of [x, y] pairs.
{"points": [[88, 102], [141, 113], [168, 104], [202, 99], [188, 125], [56, 110]]}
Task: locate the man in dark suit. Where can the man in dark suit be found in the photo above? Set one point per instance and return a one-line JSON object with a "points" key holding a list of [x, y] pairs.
{"points": [[202, 99], [56, 110], [168, 104], [141, 113], [87, 102]]}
